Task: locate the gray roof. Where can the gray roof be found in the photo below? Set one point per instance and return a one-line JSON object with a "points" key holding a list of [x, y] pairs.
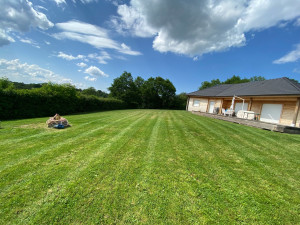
{"points": [[280, 86]]}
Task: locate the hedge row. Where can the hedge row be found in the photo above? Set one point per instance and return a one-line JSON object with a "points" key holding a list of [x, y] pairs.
{"points": [[30, 104]]}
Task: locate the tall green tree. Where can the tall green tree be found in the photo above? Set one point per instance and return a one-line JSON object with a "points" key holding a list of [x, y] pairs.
{"points": [[235, 80], [207, 84], [5, 84], [125, 89], [158, 93], [139, 82], [94, 92], [180, 101]]}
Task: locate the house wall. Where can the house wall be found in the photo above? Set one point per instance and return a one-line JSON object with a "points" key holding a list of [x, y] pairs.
{"points": [[256, 107], [201, 108], [217, 103], [288, 109], [204, 104]]}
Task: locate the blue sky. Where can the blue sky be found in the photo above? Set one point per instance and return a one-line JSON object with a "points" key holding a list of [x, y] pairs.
{"points": [[91, 42]]}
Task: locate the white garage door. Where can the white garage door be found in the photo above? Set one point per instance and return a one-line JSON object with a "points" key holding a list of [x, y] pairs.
{"points": [[239, 106], [271, 113]]}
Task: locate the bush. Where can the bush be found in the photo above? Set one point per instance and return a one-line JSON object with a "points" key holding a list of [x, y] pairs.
{"points": [[49, 100]]}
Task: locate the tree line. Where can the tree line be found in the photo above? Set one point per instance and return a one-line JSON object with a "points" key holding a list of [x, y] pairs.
{"points": [[50, 99], [19, 100], [153, 93], [233, 80]]}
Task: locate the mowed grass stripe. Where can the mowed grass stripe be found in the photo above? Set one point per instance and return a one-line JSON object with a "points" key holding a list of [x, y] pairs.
{"points": [[87, 169], [141, 193], [40, 178], [262, 147], [258, 177], [55, 155], [156, 167], [38, 147], [24, 132], [115, 185], [269, 162], [215, 192], [261, 159], [44, 131]]}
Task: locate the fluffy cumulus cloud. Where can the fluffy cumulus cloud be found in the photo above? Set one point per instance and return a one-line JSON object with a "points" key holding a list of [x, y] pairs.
{"points": [[19, 16], [89, 34], [23, 72], [95, 71], [196, 27], [292, 56]]}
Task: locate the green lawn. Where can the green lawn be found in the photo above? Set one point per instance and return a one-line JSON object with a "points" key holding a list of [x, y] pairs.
{"points": [[147, 166]]}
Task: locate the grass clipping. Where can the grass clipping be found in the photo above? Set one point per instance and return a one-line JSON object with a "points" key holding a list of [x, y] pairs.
{"points": [[56, 120]]}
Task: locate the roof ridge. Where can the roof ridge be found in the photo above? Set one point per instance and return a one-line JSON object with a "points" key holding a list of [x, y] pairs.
{"points": [[292, 83]]}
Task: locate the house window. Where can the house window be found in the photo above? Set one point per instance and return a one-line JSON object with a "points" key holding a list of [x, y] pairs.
{"points": [[196, 103]]}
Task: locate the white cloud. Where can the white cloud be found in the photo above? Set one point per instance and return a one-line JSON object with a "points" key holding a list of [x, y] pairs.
{"points": [[90, 78], [23, 72], [26, 41], [297, 23], [100, 58], [29, 41], [19, 16], [89, 34], [95, 71], [292, 56], [132, 18], [41, 7], [82, 64], [268, 13], [47, 42], [198, 27], [126, 50], [88, 1], [195, 58], [83, 28], [69, 57], [60, 2], [84, 1], [114, 2]]}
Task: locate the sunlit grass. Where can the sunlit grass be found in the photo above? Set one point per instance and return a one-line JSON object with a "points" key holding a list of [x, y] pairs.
{"points": [[147, 166]]}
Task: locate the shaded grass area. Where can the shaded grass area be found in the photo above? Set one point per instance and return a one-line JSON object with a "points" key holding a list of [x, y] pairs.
{"points": [[147, 166]]}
